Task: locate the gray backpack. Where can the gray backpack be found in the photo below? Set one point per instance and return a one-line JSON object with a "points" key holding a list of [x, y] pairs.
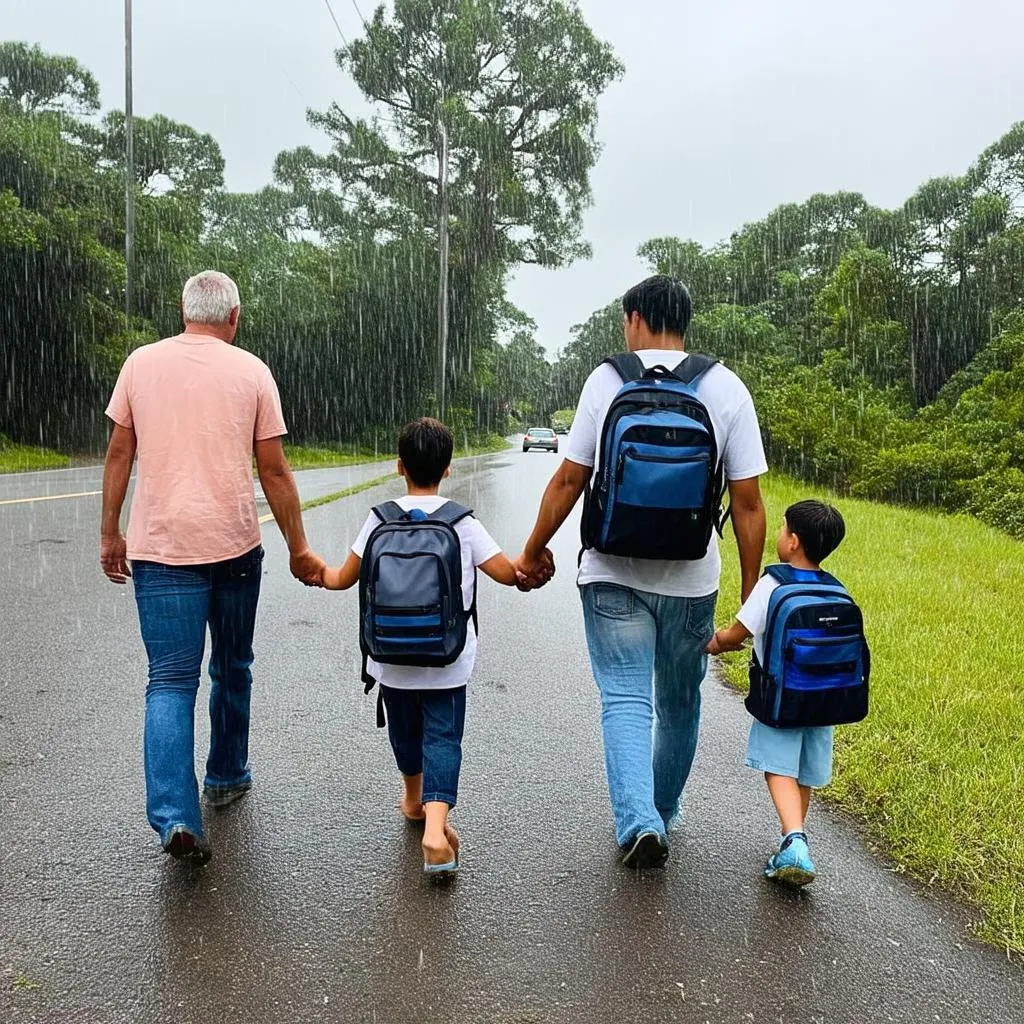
{"points": [[410, 589]]}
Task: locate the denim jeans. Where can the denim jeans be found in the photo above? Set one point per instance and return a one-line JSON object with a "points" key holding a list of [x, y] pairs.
{"points": [[425, 728], [647, 653], [176, 604]]}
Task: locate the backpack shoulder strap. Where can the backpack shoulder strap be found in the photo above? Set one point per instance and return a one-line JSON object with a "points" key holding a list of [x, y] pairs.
{"points": [[451, 512], [693, 366], [786, 574], [389, 512], [628, 365], [782, 574]]}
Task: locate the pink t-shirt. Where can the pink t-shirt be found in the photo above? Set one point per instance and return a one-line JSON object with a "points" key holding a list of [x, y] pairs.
{"points": [[196, 404]]}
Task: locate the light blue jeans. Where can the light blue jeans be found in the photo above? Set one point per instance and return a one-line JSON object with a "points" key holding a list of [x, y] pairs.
{"points": [[176, 604], [647, 653]]}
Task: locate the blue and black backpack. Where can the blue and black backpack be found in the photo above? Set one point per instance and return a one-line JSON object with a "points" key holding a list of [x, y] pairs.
{"points": [[658, 491], [411, 609], [816, 658]]}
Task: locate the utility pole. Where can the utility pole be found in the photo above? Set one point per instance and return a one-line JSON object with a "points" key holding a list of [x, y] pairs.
{"points": [[129, 164], [442, 286]]}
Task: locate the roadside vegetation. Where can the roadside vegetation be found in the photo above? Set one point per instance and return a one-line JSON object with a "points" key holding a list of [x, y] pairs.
{"points": [[21, 458], [327, 457], [936, 771]]}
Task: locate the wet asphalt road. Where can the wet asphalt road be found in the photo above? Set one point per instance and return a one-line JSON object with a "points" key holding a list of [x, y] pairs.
{"points": [[314, 907]]}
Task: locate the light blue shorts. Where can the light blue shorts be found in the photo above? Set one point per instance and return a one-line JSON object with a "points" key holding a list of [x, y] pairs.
{"points": [[801, 754]]}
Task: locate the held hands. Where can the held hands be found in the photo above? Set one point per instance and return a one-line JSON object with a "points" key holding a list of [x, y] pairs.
{"points": [[114, 558], [307, 567], [533, 573]]}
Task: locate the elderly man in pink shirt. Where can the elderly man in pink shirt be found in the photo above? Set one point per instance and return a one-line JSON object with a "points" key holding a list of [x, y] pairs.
{"points": [[194, 409]]}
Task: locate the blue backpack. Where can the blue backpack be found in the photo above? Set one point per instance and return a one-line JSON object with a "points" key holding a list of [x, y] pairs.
{"points": [[816, 658], [410, 589], [658, 492]]}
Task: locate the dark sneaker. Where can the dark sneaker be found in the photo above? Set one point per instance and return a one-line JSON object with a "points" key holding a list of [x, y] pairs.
{"points": [[184, 845], [648, 850], [222, 796]]}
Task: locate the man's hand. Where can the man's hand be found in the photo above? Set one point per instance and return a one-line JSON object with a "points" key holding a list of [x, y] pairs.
{"points": [[114, 558], [307, 567], [532, 573]]}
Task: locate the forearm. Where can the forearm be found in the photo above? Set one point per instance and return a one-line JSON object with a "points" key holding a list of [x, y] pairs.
{"points": [[283, 497], [117, 472], [729, 639], [500, 569], [559, 499], [749, 526]]}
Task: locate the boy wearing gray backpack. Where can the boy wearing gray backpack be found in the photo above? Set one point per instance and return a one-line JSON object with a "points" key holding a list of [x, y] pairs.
{"points": [[415, 560]]}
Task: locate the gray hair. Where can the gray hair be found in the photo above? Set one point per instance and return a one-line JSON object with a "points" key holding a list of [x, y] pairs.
{"points": [[208, 298]]}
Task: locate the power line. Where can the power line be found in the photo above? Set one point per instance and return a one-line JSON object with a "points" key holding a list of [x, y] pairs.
{"points": [[360, 13], [335, 20]]}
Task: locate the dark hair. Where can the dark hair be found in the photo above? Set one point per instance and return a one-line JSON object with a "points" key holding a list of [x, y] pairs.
{"points": [[820, 528], [425, 448], [663, 303]]}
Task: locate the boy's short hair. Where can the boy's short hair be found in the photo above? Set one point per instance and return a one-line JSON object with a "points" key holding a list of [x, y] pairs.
{"points": [[425, 447], [663, 303], [819, 526]]}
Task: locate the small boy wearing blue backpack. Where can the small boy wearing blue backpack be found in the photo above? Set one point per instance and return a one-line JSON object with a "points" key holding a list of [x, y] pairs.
{"points": [[809, 673], [415, 560]]}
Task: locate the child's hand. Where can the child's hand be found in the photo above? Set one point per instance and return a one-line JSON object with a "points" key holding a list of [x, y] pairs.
{"points": [[731, 639]]}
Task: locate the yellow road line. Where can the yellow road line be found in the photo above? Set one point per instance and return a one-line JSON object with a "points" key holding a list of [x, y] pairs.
{"points": [[49, 497], [266, 518]]}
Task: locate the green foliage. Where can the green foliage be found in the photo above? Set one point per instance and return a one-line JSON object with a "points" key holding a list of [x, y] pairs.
{"points": [[19, 458], [884, 349], [33, 81], [337, 265], [561, 419]]}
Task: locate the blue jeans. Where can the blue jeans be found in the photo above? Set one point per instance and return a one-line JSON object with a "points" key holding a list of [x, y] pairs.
{"points": [[647, 653], [425, 728], [176, 604]]}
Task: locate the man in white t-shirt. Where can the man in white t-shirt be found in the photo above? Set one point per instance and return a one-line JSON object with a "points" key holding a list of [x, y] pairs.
{"points": [[648, 621]]}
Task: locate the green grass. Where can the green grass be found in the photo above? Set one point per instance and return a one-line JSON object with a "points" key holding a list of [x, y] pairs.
{"points": [[20, 458], [326, 499], [314, 457], [484, 447], [937, 770], [323, 457]]}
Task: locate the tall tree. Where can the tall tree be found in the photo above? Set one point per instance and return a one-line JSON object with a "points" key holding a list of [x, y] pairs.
{"points": [[495, 98]]}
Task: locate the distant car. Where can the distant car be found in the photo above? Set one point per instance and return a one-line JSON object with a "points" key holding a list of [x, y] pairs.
{"points": [[561, 430], [540, 437]]}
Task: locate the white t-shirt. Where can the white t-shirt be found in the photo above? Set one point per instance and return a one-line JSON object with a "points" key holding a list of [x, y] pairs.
{"points": [[754, 613], [477, 547], [737, 435]]}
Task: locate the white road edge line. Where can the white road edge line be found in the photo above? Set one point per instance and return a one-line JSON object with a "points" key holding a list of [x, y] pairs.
{"points": [[48, 497]]}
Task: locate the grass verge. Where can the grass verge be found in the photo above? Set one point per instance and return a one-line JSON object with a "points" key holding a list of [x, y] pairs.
{"points": [[22, 458], [326, 499], [937, 769], [321, 457]]}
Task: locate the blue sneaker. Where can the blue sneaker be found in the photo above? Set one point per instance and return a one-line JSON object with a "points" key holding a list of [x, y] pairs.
{"points": [[792, 864]]}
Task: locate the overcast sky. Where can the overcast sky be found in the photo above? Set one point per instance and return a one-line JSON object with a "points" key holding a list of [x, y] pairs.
{"points": [[727, 108]]}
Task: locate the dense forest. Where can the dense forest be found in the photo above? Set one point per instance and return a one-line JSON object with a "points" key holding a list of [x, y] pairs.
{"points": [[884, 348], [337, 258]]}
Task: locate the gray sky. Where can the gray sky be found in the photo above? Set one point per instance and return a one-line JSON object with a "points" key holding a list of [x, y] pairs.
{"points": [[727, 109]]}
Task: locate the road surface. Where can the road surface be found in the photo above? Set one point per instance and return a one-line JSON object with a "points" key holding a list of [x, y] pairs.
{"points": [[314, 907]]}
